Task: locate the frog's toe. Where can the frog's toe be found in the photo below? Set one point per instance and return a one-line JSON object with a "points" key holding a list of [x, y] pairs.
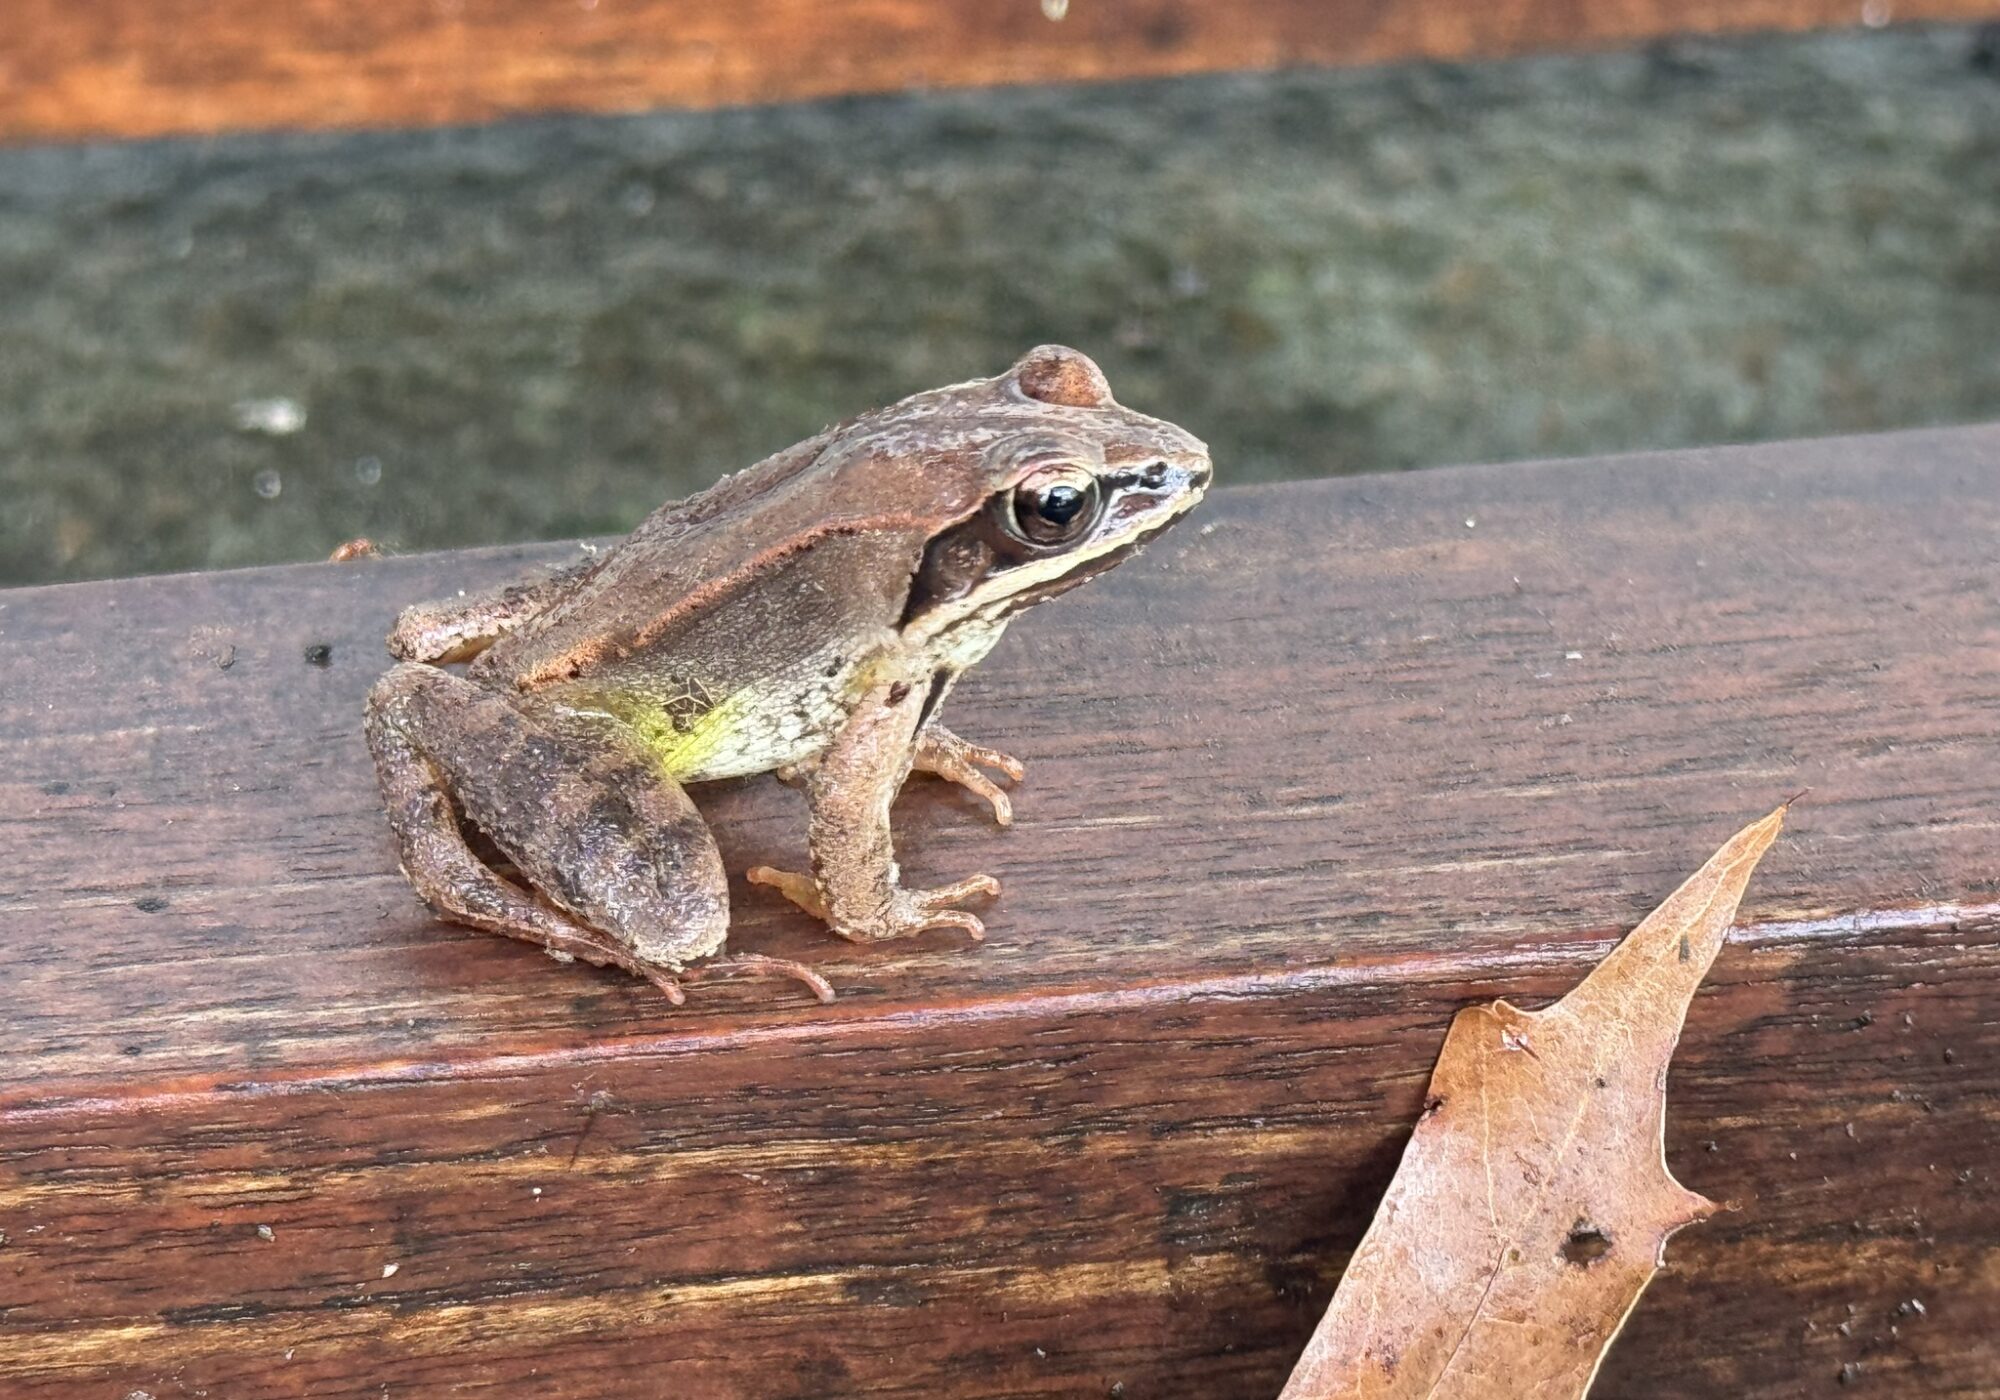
{"points": [[668, 986], [757, 965], [979, 785], [972, 887], [942, 752], [801, 890], [916, 911]]}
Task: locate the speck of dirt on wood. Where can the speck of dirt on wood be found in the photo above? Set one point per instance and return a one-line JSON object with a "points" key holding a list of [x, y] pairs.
{"points": [[1850, 1372], [212, 645], [319, 654], [150, 903], [266, 1233]]}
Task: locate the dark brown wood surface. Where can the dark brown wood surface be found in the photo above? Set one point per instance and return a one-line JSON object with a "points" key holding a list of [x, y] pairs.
{"points": [[155, 67], [1303, 780]]}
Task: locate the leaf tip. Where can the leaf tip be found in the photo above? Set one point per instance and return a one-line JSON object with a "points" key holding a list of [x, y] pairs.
{"points": [[1750, 844], [1693, 1208]]}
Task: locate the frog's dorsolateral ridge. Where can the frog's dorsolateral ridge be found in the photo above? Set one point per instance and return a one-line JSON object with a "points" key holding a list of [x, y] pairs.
{"points": [[805, 617]]}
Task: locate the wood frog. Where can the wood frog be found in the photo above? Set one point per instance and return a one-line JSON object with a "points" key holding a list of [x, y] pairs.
{"points": [[805, 617]]}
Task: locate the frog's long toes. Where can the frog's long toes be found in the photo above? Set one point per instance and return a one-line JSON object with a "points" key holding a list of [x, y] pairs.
{"points": [[942, 752], [979, 785], [669, 988], [928, 909], [758, 965], [972, 924], [993, 758], [970, 887]]}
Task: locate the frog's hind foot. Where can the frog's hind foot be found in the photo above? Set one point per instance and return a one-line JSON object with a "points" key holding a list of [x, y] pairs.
{"points": [[757, 965], [593, 948]]}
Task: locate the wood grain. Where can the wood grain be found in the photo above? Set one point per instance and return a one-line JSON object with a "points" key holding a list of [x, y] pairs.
{"points": [[1303, 781], [159, 67]]}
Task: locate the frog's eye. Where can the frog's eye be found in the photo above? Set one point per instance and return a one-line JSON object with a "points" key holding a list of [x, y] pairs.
{"points": [[1054, 505]]}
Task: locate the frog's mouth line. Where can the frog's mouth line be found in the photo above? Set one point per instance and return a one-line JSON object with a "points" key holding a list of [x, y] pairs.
{"points": [[1081, 574]]}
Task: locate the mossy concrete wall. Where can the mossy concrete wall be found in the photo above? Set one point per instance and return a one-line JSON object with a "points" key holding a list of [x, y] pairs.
{"points": [[217, 353]]}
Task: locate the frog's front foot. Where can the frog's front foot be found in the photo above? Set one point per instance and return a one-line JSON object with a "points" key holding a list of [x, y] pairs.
{"points": [[906, 912], [942, 752]]}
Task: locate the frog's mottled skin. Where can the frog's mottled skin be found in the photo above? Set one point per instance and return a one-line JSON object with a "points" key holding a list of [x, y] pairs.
{"points": [[807, 617]]}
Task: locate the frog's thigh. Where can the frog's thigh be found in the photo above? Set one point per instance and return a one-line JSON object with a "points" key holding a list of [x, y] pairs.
{"points": [[586, 819]]}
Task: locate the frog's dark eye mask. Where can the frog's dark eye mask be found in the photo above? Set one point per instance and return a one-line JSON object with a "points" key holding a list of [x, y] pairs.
{"points": [[1052, 509]]}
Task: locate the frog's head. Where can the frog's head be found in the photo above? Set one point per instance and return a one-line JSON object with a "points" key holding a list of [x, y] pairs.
{"points": [[1049, 480]]}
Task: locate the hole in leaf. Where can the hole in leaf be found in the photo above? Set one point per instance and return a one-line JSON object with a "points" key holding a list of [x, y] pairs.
{"points": [[1586, 1245]]}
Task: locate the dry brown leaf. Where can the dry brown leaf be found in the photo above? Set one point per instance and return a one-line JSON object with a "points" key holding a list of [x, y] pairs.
{"points": [[1533, 1204]]}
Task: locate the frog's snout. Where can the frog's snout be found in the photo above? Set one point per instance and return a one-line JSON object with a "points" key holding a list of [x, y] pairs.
{"points": [[1181, 474]]}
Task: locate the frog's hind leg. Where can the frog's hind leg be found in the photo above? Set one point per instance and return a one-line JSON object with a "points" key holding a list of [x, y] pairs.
{"points": [[629, 875]]}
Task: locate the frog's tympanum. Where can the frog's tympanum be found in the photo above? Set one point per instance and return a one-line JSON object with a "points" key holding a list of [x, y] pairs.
{"points": [[806, 617]]}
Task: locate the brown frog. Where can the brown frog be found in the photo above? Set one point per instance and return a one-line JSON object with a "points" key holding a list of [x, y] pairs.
{"points": [[805, 617]]}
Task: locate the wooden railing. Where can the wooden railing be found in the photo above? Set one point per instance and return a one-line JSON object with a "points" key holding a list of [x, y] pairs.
{"points": [[120, 68], [1332, 762]]}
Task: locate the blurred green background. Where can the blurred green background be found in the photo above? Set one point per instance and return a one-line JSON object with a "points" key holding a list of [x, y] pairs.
{"points": [[250, 349]]}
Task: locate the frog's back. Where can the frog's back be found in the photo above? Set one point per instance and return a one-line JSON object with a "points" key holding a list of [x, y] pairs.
{"points": [[728, 630], [764, 671], [654, 575]]}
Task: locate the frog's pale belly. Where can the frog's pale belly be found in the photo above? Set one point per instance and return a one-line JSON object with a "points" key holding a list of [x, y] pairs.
{"points": [[700, 730]]}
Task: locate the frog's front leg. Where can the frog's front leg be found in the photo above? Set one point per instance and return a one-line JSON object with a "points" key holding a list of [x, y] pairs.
{"points": [[626, 870], [855, 885]]}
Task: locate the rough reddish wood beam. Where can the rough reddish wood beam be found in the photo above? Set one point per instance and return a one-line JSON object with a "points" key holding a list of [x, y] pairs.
{"points": [[122, 68], [1309, 776]]}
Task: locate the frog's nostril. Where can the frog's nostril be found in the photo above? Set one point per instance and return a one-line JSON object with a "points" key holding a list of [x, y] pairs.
{"points": [[1154, 476]]}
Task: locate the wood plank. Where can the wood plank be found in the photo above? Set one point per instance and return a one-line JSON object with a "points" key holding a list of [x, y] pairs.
{"points": [[1303, 780], [123, 68]]}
